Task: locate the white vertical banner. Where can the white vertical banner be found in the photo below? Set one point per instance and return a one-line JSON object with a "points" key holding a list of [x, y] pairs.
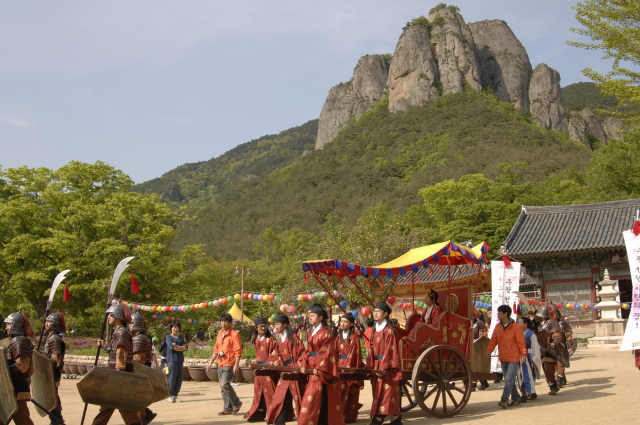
{"points": [[631, 339], [504, 281]]}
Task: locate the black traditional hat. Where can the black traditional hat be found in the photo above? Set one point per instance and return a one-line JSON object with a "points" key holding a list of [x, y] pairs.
{"points": [[314, 305], [282, 318], [260, 321], [384, 307], [349, 317], [317, 309]]}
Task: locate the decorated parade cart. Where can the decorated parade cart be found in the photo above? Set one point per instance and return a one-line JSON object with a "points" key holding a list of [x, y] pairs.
{"points": [[441, 361]]}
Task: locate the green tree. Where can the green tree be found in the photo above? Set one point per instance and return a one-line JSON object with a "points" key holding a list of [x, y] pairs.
{"points": [[82, 217], [614, 172], [377, 237], [614, 28], [476, 207]]}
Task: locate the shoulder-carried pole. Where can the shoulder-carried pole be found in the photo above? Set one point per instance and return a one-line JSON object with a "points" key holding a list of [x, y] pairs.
{"points": [[112, 288], [56, 283]]}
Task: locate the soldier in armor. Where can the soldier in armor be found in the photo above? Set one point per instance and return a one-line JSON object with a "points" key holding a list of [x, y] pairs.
{"points": [[120, 352], [550, 325], [142, 352], [567, 340], [54, 348], [19, 359], [479, 330]]}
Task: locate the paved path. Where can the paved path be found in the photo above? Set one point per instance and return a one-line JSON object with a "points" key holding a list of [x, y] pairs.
{"points": [[603, 387]]}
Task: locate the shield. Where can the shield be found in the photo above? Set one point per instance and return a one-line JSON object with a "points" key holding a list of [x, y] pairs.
{"points": [[560, 352], [43, 384], [4, 343], [479, 361], [8, 403], [159, 380], [116, 389]]}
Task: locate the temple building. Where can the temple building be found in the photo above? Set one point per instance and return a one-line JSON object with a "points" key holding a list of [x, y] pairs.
{"points": [[566, 250]]}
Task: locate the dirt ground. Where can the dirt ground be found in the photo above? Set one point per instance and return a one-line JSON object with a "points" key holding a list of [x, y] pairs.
{"points": [[603, 385]]}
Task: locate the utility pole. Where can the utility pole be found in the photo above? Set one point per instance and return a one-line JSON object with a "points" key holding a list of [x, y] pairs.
{"points": [[241, 270]]}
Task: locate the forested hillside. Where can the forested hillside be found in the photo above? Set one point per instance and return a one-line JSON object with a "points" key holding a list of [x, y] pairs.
{"points": [[586, 95], [197, 183], [382, 157]]}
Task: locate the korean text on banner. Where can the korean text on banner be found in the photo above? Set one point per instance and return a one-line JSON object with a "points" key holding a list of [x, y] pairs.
{"points": [[631, 339], [504, 281]]}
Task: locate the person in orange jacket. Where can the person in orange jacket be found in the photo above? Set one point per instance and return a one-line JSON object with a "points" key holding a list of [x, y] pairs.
{"points": [[227, 353], [509, 338]]}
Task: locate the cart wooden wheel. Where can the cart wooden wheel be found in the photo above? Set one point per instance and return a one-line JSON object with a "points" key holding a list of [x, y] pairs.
{"points": [[405, 391], [433, 375]]}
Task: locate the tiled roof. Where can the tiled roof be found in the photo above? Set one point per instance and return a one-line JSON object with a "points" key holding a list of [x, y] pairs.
{"points": [[571, 228]]}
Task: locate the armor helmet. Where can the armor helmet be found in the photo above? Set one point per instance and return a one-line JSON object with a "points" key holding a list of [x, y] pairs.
{"points": [[57, 322], [20, 325], [119, 311], [138, 322], [17, 324], [556, 312], [543, 312]]}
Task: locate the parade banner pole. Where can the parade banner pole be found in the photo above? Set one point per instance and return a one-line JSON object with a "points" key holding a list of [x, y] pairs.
{"points": [[56, 283], [112, 289]]}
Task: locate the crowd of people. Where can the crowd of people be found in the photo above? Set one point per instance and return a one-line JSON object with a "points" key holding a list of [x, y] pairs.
{"points": [[319, 347]]}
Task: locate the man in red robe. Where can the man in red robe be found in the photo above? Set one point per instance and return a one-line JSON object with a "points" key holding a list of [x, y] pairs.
{"points": [[322, 397], [263, 387], [385, 355], [349, 355], [288, 350]]}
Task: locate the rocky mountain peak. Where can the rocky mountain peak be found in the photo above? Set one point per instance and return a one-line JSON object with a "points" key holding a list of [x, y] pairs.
{"points": [[441, 54], [354, 98], [413, 73], [454, 49], [546, 100], [504, 63]]}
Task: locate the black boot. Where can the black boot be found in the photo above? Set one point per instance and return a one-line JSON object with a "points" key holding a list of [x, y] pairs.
{"points": [[484, 385], [498, 378], [396, 421], [377, 420], [553, 389], [559, 381], [150, 415]]}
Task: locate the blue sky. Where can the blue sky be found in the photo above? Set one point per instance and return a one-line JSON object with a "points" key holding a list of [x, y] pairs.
{"points": [[149, 85]]}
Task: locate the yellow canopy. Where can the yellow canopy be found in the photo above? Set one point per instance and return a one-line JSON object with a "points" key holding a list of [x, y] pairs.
{"points": [[419, 254], [235, 312], [446, 253]]}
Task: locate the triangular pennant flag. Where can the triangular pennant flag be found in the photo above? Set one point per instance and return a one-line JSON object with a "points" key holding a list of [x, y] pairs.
{"points": [[66, 298], [134, 284], [505, 260]]}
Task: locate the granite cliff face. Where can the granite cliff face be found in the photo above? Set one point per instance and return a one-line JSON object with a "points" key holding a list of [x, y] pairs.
{"points": [[503, 61], [354, 98], [583, 124], [454, 50], [545, 97], [610, 126], [413, 74]]}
